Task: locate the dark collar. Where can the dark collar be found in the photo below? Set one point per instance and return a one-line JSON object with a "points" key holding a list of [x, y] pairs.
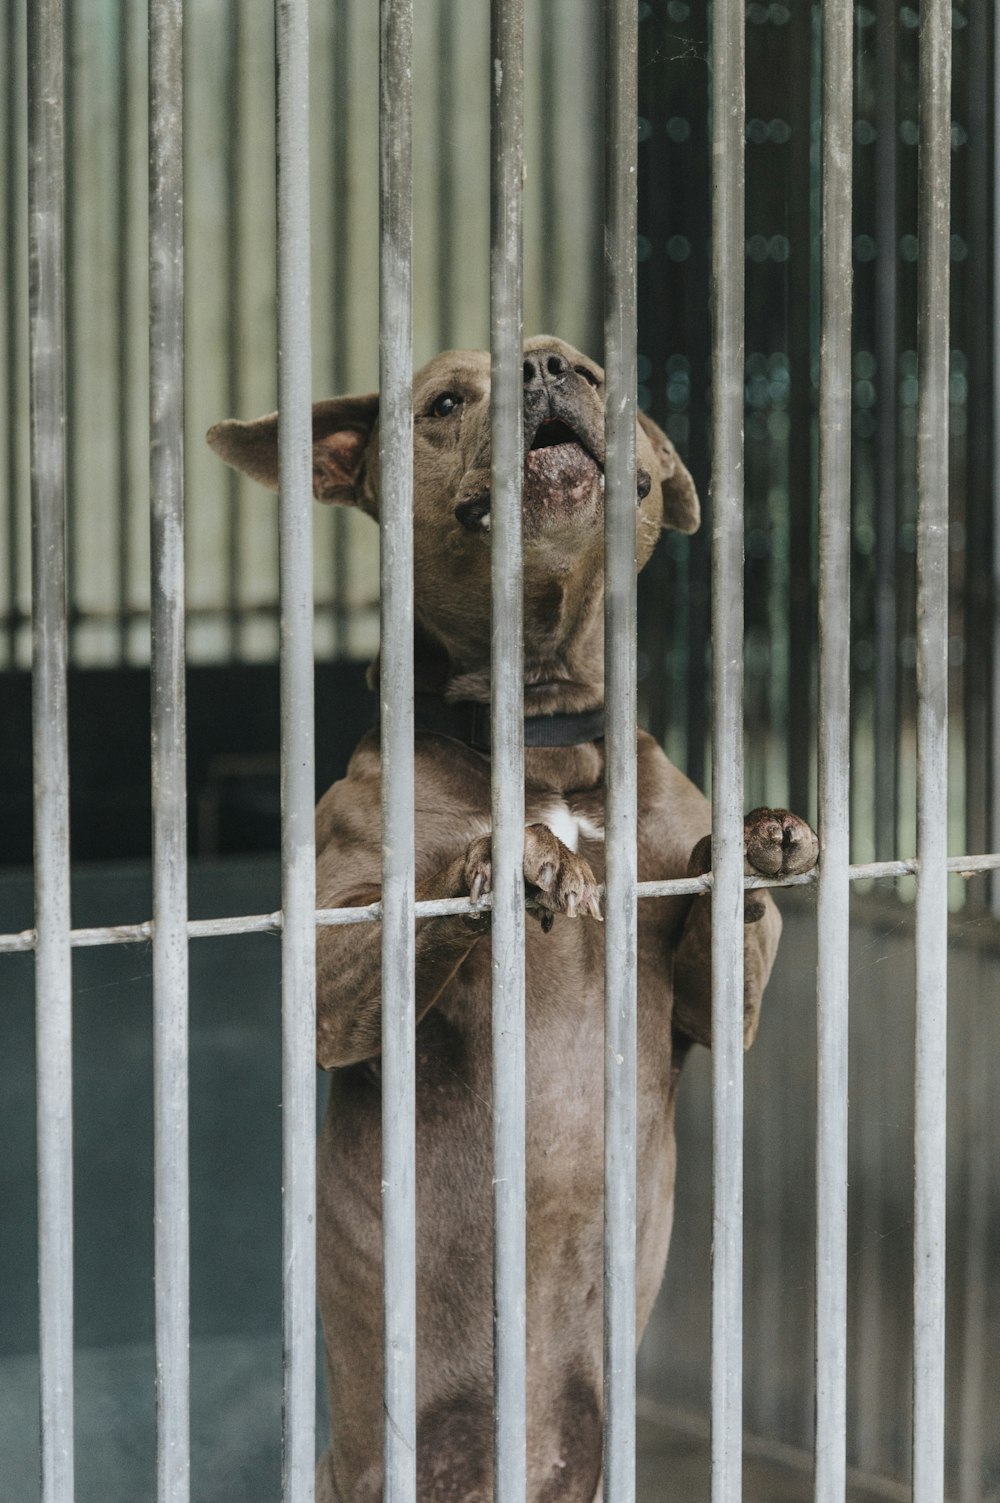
{"points": [[466, 720]]}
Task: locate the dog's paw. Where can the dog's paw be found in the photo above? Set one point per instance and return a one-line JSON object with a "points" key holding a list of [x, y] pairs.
{"points": [[778, 844], [562, 881], [775, 844], [557, 880]]}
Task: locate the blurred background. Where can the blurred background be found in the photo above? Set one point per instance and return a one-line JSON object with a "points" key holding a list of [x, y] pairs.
{"points": [[233, 683]]}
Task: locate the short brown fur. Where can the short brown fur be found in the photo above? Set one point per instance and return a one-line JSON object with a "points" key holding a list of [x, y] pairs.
{"points": [[563, 599]]}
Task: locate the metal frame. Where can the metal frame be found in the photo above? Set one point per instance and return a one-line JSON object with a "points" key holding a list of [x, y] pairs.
{"points": [[53, 938]]}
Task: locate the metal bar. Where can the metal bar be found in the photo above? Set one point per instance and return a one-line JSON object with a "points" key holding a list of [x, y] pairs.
{"points": [[123, 378], [727, 117], [833, 906], [170, 941], [396, 695], [930, 1165], [977, 1178], [12, 353], [71, 363], [234, 275], [995, 497], [53, 978], [298, 791], [507, 702], [447, 20], [620, 933], [886, 648], [801, 232], [340, 163], [271, 923], [548, 200], [974, 335]]}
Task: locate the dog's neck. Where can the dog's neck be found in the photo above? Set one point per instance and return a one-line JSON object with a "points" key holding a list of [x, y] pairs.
{"points": [[557, 681], [563, 660]]}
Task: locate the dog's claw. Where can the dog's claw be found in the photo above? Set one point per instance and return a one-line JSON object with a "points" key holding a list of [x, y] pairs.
{"points": [[546, 919]]}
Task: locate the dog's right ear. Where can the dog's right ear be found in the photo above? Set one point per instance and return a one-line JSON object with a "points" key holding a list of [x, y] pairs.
{"points": [[342, 428]]}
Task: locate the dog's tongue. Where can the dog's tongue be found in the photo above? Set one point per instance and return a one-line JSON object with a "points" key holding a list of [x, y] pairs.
{"points": [[559, 476]]}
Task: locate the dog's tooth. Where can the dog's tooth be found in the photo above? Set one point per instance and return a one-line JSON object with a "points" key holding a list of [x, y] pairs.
{"points": [[484, 521]]}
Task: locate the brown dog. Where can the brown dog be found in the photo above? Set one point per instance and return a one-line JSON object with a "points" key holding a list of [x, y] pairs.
{"points": [[563, 863]]}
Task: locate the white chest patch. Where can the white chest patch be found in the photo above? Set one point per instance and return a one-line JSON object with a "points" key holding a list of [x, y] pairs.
{"points": [[568, 827]]}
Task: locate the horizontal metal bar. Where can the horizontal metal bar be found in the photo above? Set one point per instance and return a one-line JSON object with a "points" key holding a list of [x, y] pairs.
{"points": [[676, 887]]}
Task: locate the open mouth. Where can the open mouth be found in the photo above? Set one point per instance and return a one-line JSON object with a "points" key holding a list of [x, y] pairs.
{"points": [[561, 477], [554, 433]]}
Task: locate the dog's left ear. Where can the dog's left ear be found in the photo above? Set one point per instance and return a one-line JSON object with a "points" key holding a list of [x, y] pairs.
{"points": [[681, 510], [342, 428]]}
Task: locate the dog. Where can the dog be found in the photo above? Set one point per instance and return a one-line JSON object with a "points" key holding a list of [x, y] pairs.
{"points": [[563, 513]]}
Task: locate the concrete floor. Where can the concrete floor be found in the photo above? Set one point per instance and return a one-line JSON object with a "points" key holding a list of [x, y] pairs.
{"points": [[236, 1428]]}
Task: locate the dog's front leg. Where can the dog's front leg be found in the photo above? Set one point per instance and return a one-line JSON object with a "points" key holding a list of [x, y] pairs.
{"points": [[775, 844], [349, 968], [349, 957]]}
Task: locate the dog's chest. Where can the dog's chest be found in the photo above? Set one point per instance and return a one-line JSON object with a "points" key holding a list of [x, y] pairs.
{"points": [[577, 822]]}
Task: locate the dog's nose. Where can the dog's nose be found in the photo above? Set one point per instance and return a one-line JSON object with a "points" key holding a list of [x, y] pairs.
{"points": [[544, 368]]}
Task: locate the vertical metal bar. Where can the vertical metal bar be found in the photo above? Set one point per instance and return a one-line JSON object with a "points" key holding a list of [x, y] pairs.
{"points": [[833, 909], [298, 790], [621, 52], [234, 268], [340, 158], [728, 115], [995, 497], [800, 466], [447, 22], [170, 946], [975, 337], [396, 693], [973, 1404], [886, 650], [507, 679], [548, 185], [932, 753], [70, 342], [53, 981], [123, 393], [12, 353]]}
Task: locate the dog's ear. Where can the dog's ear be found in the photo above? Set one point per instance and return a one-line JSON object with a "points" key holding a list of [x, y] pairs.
{"points": [[681, 510], [342, 428]]}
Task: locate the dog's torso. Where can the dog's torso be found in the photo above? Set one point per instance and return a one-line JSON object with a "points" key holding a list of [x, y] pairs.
{"points": [[563, 553], [564, 1134]]}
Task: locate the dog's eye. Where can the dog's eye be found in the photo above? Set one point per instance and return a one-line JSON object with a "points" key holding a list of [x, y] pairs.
{"points": [[445, 404]]}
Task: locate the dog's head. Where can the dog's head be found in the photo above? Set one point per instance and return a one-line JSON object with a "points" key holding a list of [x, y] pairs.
{"points": [[563, 508]]}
